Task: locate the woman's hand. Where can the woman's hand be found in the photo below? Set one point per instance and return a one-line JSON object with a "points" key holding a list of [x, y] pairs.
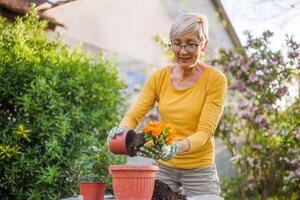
{"points": [[116, 131], [166, 152]]}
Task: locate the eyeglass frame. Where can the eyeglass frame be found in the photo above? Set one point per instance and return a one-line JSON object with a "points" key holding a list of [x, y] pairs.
{"points": [[183, 45]]}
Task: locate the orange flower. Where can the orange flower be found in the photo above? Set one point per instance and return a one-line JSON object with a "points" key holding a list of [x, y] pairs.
{"points": [[161, 133], [150, 143], [170, 139], [148, 129], [157, 130]]}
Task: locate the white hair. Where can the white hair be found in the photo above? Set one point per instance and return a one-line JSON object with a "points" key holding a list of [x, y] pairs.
{"points": [[190, 23]]}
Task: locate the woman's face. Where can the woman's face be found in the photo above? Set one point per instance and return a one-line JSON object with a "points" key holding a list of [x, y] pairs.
{"points": [[187, 49]]}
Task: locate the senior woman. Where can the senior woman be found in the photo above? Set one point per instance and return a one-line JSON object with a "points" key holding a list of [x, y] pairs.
{"points": [[190, 96]]}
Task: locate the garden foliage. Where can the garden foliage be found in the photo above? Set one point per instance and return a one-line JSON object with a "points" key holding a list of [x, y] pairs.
{"points": [[55, 102], [262, 133]]}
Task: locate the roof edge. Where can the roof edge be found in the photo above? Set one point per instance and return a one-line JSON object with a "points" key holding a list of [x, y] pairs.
{"points": [[229, 27]]}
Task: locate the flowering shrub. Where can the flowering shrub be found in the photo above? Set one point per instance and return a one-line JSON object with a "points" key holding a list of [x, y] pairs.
{"points": [[159, 134], [262, 135]]}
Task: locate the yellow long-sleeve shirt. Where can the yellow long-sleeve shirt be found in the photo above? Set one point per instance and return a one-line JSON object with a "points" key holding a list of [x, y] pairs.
{"points": [[194, 112]]}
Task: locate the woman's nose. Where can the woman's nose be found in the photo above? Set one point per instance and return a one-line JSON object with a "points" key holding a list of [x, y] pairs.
{"points": [[183, 51]]}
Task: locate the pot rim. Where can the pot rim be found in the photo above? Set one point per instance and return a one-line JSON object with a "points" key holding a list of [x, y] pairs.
{"points": [[134, 167], [97, 182]]}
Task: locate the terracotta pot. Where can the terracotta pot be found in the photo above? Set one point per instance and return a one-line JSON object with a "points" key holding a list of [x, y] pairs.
{"points": [[117, 144], [133, 182], [92, 190]]}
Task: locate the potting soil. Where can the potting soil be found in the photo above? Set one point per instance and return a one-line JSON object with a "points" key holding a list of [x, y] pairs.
{"points": [[134, 141], [163, 192]]}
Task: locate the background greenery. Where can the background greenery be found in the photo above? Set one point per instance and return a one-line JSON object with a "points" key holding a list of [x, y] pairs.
{"points": [[55, 102], [261, 131]]}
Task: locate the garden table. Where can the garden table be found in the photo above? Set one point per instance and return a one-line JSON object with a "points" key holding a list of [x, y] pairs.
{"points": [[202, 197]]}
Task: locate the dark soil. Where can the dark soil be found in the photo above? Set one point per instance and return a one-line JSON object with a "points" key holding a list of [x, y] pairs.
{"points": [[163, 192], [134, 141]]}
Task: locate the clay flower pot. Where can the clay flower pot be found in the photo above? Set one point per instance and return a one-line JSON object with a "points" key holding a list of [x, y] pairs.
{"points": [[133, 182], [117, 144], [92, 190]]}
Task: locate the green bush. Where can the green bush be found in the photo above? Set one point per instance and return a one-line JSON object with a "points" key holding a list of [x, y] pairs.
{"points": [[55, 102]]}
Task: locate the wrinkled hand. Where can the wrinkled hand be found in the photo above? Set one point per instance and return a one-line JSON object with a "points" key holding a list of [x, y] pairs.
{"points": [[116, 131], [166, 152]]}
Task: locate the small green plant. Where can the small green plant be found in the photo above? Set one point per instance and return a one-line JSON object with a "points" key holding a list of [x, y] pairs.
{"points": [[99, 158]]}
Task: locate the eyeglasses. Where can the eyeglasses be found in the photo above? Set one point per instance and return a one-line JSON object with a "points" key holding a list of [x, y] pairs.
{"points": [[190, 47]]}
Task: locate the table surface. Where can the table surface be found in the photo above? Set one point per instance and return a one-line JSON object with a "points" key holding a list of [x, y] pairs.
{"points": [[202, 197]]}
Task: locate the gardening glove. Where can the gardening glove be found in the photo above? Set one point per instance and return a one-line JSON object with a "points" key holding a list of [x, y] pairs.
{"points": [[166, 152], [115, 131]]}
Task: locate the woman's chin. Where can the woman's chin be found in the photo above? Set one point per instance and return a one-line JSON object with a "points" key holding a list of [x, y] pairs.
{"points": [[184, 64]]}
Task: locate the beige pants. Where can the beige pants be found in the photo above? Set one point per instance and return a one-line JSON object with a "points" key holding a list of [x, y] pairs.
{"points": [[193, 182]]}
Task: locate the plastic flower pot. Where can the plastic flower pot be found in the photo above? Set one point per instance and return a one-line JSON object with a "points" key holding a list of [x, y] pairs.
{"points": [[92, 190], [117, 144], [133, 182]]}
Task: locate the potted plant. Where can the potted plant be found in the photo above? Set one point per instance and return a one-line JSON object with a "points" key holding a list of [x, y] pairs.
{"points": [[95, 177], [159, 135], [127, 143], [137, 181]]}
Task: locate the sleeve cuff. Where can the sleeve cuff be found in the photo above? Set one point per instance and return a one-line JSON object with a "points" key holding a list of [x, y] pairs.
{"points": [[197, 140]]}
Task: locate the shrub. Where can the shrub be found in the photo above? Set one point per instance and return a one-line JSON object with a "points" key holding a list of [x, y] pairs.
{"points": [[55, 102], [268, 162]]}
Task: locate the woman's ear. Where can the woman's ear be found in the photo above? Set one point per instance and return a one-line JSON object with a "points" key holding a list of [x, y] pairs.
{"points": [[204, 45]]}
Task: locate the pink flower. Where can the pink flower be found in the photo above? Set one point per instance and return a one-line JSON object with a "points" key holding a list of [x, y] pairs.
{"points": [[279, 60], [246, 115], [242, 87], [281, 91], [234, 86], [260, 118], [238, 86], [238, 74], [293, 54], [261, 82], [243, 104], [257, 147], [271, 132], [261, 126], [254, 109], [245, 67], [251, 186], [253, 78], [228, 66], [297, 173], [294, 163]]}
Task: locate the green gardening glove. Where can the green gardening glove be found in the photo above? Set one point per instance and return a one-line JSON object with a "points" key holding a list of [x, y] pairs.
{"points": [[115, 131], [166, 152]]}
